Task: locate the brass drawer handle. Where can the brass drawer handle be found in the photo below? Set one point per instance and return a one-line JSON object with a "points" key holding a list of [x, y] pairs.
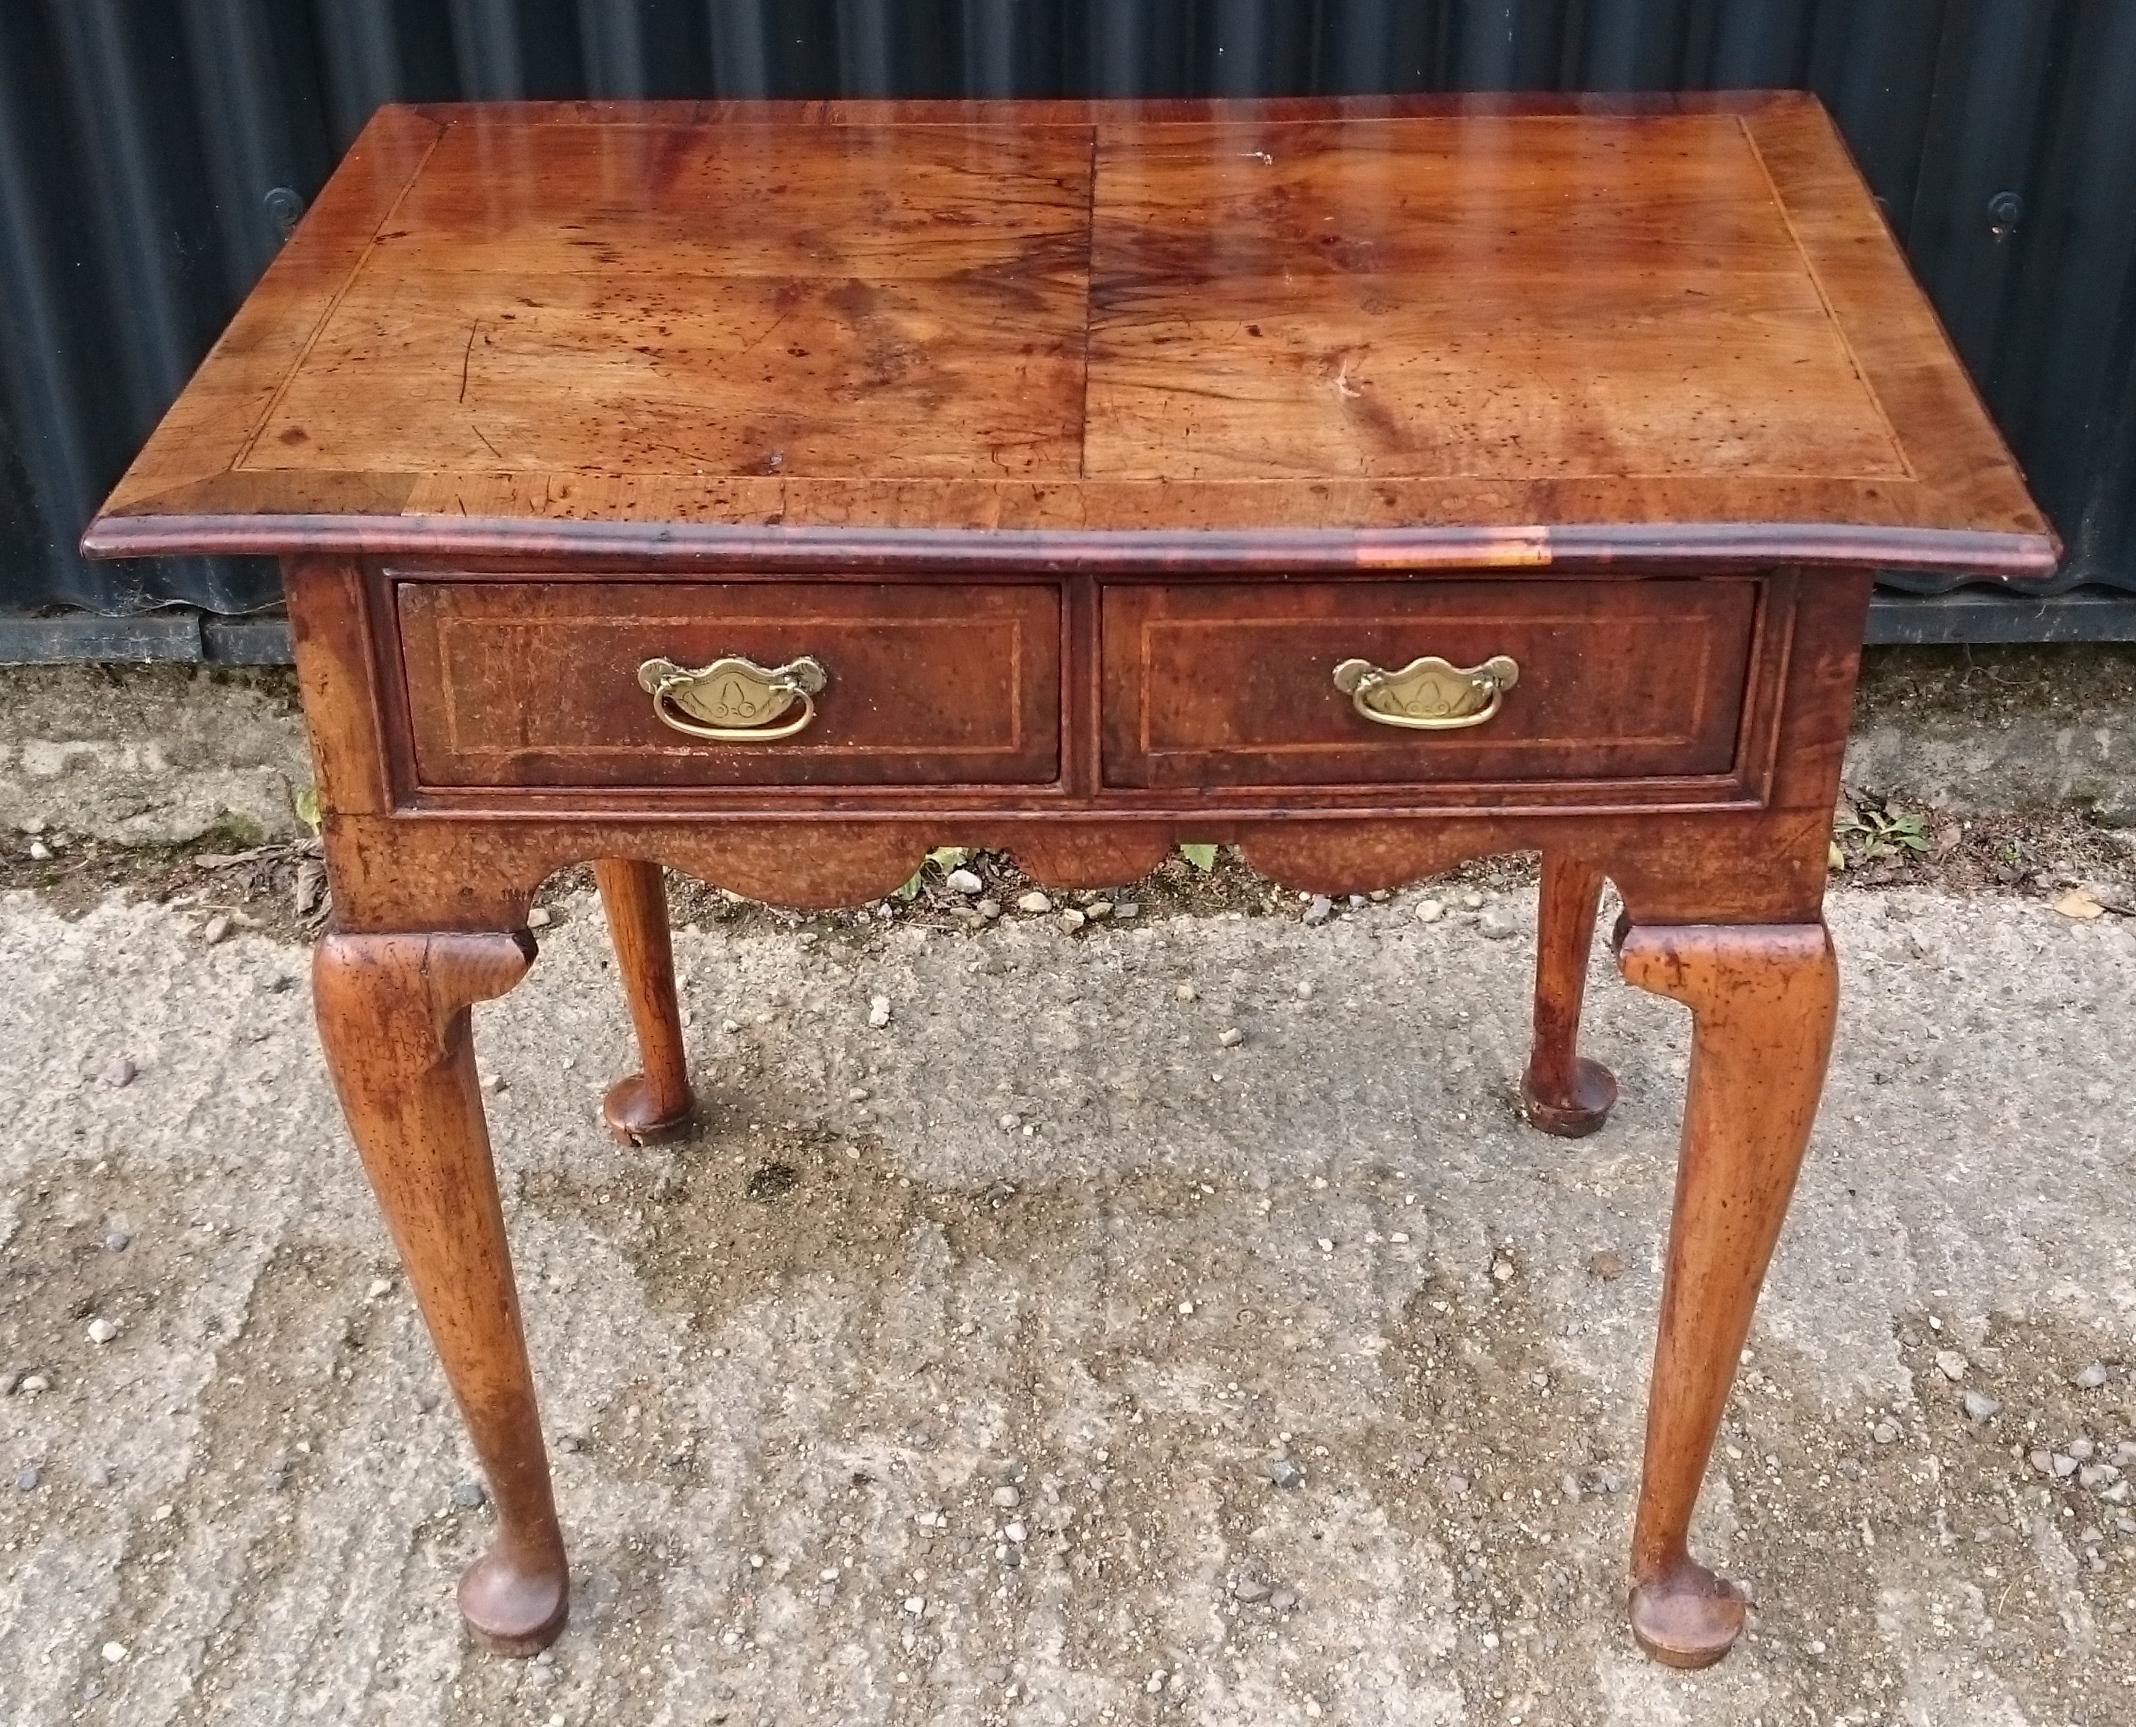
{"points": [[733, 701], [1430, 694]]}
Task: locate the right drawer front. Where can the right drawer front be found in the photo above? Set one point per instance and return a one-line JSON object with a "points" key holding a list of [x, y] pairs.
{"points": [[1233, 684]]}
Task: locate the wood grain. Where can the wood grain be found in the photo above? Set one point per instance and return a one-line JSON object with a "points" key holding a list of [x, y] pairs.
{"points": [[1536, 331], [535, 683], [671, 197], [655, 1102], [1763, 1002], [1225, 684], [332, 630], [209, 428], [471, 858], [393, 1017], [1476, 299], [1079, 442], [728, 375], [1561, 1091]]}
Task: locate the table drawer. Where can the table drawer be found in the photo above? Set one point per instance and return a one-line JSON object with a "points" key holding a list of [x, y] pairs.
{"points": [[1234, 684], [538, 683]]}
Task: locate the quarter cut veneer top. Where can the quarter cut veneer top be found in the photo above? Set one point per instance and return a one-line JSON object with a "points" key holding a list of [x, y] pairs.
{"points": [[1326, 334]]}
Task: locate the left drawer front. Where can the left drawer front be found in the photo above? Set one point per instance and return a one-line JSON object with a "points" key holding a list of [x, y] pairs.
{"points": [[535, 684]]}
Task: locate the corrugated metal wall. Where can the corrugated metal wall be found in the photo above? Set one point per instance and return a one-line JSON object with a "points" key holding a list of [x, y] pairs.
{"points": [[153, 152]]}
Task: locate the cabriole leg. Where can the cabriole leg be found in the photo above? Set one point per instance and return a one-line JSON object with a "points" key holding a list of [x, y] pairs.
{"points": [[1762, 1003], [655, 1102], [1562, 1092], [393, 1015]]}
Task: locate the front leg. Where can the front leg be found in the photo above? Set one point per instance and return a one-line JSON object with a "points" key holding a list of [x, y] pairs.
{"points": [[1762, 1003], [393, 1015]]}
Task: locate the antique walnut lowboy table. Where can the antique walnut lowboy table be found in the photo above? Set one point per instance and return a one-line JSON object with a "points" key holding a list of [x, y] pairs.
{"points": [[777, 492]]}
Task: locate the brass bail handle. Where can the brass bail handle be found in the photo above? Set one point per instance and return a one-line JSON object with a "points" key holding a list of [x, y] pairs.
{"points": [[734, 700], [1428, 694]]}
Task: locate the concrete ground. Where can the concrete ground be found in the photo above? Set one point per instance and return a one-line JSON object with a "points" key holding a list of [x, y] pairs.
{"points": [[941, 1377]]}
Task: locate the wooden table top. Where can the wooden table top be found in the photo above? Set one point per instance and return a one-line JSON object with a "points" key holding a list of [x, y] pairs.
{"points": [[1357, 333]]}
